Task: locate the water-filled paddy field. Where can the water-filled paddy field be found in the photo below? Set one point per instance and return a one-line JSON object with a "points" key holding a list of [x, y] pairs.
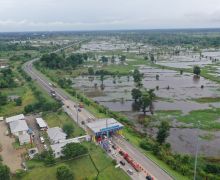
{"points": [[178, 100]]}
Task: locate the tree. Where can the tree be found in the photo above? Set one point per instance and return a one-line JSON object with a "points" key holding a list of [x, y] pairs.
{"points": [[64, 173], [123, 59], [196, 70], [91, 71], [104, 59], [152, 57], [163, 132], [4, 172], [3, 99], [47, 157], [72, 150], [68, 128], [145, 101], [137, 76], [18, 101], [136, 94], [102, 77]]}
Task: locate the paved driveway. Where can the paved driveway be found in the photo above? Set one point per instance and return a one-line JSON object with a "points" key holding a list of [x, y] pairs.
{"points": [[11, 157]]}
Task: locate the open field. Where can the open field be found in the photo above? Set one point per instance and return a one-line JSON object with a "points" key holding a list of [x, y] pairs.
{"points": [[102, 162]]}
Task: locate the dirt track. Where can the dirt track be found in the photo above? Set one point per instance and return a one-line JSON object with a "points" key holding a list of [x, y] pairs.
{"points": [[11, 157]]}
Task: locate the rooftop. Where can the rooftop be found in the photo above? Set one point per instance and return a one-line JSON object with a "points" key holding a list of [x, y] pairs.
{"points": [[56, 134], [102, 125], [41, 123], [17, 126], [15, 118]]}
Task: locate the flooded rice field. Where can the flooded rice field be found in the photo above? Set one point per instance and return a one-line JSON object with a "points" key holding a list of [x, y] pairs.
{"points": [[174, 92], [185, 61]]}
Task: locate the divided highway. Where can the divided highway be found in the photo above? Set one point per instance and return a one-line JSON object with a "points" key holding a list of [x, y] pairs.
{"points": [[70, 108]]}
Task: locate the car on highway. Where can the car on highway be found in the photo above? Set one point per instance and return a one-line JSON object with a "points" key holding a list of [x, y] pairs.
{"points": [[130, 171], [122, 163], [148, 177], [114, 147]]}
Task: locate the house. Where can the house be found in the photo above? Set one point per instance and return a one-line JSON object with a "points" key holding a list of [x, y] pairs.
{"points": [[15, 118], [24, 139], [57, 148], [42, 124], [56, 134], [18, 127]]}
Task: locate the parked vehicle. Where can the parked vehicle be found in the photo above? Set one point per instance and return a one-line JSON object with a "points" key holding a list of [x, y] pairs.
{"points": [[42, 139]]}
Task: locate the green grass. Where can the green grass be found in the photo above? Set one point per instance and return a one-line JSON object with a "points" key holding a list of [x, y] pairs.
{"points": [[59, 119], [81, 167], [11, 108], [208, 118], [207, 99]]}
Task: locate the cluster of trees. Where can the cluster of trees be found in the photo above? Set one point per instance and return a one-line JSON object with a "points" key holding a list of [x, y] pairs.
{"points": [[63, 83], [42, 103], [105, 59], [54, 61], [7, 78], [3, 99], [196, 70], [64, 173], [4, 172], [72, 150], [201, 38], [142, 98], [68, 128], [47, 157]]}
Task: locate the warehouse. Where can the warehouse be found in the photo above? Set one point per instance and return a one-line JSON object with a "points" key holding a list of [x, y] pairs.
{"points": [[104, 127]]}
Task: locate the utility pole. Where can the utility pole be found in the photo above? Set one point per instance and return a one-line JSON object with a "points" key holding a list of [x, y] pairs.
{"points": [[197, 149]]}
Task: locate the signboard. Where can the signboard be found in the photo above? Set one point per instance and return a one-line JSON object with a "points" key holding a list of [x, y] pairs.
{"points": [[109, 128]]}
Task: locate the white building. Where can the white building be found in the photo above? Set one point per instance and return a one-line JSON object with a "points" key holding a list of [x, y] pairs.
{"points": [[42, 124], [57, 148], [56, 134], [18, 127], [15, 118]]}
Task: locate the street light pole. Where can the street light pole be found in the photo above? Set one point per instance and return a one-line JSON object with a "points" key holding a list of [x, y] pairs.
{"points": [[197, 149]]}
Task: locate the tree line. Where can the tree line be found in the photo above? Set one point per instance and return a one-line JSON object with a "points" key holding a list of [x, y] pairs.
{"points": [[55, 61]]}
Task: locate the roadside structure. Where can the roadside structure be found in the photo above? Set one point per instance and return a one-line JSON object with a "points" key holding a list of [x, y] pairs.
{"points": [[56, 134], [57, 148], [104, 127], [42, 124]]}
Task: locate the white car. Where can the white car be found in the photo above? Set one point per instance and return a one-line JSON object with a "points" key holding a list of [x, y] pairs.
{"points": [[45, 146], [42, 139], [130, 172]]}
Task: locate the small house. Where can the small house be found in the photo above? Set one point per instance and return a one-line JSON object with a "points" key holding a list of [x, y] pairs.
{"points": [[56, 134]]}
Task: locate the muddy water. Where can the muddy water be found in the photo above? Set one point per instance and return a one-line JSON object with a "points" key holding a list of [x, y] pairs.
{"points": [[183, 61], [182, 88], [184, 141]]}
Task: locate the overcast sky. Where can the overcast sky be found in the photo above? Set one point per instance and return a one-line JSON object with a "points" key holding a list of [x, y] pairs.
{"points": [[40, 15]]}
